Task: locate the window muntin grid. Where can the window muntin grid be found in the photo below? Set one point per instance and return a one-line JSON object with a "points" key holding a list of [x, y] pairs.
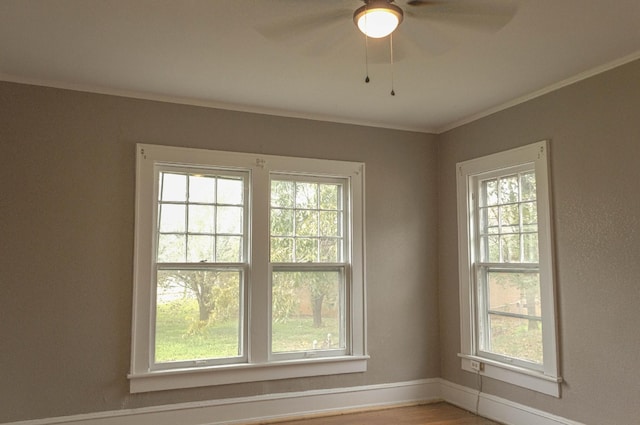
{"points": [[508, 219], [201, 217], [307, 220]]}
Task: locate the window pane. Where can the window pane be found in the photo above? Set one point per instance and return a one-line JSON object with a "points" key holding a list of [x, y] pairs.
{"points": [[530, 248], [307, 195], [306, 223], [513, 315], [329, 223], [197, 315], [510, 245], [330, 250], [490, 192], [229, 220], [201, 218], [202, 189], [172, 248], [200, 249], [489, 220], [510, 218], [306, 311], [528, 186], [282, 250], [306, 250], [281, 222], [172, 218], [229, 249], [230, 191], [529, 214], [514, 292], [515, 337], [329, 196], [490, 249], [508, 189], [282, 194], [173, 187]]}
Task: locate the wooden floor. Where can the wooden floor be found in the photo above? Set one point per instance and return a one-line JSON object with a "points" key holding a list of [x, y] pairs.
{"points": [[427, 414]]}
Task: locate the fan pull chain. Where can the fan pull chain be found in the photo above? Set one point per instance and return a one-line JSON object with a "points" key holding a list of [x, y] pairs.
{"points": [[393, 93], [366, 47], [366, 57]]}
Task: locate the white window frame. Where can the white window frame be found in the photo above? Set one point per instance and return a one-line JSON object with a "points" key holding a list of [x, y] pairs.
{"points": [[545, 378], [257, 363]]}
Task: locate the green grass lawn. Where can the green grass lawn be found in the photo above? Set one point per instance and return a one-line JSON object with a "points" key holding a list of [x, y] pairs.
{"points": [[517, 340], [180, 335], [299, 334]]}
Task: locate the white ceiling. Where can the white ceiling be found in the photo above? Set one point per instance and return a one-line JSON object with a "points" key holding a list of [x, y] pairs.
{"points": [[305, 58]]}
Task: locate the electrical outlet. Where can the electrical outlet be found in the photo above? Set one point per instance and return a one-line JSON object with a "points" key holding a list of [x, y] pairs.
{"points": [[476, 365]]}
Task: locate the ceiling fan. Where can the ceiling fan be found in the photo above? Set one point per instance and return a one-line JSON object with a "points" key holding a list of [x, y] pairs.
{"points": [[434, 25]]}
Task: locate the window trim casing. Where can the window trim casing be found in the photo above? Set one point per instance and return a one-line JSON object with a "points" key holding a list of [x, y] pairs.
{"points": [[259, 366], [547, 380]]}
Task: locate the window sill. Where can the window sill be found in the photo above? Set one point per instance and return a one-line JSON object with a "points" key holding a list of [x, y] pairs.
{"points": [[525, 378], [245, 372]]}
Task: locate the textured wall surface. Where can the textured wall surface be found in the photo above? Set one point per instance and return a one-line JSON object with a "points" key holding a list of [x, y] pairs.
{"points": [[67, 167], [66, 238], [594, 131]]}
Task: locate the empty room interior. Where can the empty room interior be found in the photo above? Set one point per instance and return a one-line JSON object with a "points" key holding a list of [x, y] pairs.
{"points": [[228, 212]]}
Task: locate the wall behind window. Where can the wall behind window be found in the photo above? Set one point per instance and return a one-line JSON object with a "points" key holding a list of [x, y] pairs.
{"points": [[594, 130], [66, 223]]}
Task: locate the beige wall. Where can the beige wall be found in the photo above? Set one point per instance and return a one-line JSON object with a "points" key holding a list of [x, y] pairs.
{"points": [[594, 129], [66, 230]]}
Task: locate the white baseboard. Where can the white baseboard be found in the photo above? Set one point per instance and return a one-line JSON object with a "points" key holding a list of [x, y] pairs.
{"points": [[262, 408], [272, 407], [498, 409]]}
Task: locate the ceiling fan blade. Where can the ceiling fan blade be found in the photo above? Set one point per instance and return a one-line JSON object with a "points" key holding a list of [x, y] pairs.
{"points": [[429, 39], [293, 27], [479, 15], [422, 2], [475, 15], [448, 23], [487, 7]]}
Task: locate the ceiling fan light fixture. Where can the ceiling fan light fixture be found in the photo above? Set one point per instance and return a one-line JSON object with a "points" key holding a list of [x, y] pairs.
{"points": [[378, 19]]}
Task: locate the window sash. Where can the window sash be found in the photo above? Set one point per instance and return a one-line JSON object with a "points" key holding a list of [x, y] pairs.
{"points": [[342, 210], [483, 311], [344, 324], [217, 172], [243, 270]]}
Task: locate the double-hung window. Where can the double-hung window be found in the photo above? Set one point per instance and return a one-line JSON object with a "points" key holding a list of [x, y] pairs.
{"points": [[506, 268], [247, 268]]}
